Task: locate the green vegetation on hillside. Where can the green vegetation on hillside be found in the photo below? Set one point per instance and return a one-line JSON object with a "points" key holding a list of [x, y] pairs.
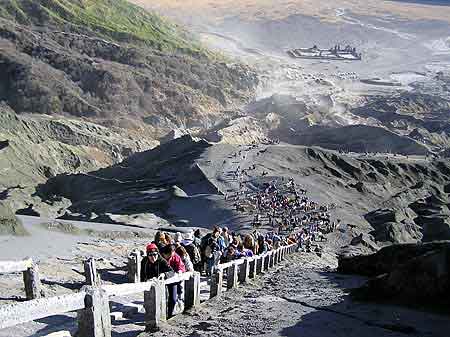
{"points": [[115, 19]]}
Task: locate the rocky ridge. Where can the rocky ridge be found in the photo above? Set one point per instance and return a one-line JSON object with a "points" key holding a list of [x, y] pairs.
{"points": [[85, 84], [388, 190], [409, 123], [38, 147], [412, 273], [115, 79]]}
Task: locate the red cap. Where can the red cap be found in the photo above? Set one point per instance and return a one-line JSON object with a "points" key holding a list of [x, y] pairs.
{"points": [[151, 246]]}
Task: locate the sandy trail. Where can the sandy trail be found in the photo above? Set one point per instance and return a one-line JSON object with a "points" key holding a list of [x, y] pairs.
{"points": [[301, 297]]}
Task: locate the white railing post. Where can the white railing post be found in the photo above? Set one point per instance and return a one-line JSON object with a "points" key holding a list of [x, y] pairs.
{"points": [[94, 320], [152, 304], [232, 276], [244, 270], [134, 266], [163, 303], [192, 298], [32, 282], [216, 283]]}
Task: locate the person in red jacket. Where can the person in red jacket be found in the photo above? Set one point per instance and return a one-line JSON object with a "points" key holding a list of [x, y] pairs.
{"points": [[176, 291], [173, 259]]}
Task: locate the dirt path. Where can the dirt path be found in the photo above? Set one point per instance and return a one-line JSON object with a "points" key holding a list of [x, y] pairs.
{"points": [[301, 297]]}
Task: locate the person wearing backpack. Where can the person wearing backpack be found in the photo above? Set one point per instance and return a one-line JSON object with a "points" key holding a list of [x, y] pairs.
{"points": [[210, 250], [193, 251]]}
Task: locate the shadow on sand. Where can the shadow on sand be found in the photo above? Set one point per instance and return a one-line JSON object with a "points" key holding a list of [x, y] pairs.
{"points": [[349, 318], [326, 318]]}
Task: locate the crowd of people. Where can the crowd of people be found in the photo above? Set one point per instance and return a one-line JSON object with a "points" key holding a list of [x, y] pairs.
{"points": [[167, 254], [291, 218], [286, 208]]}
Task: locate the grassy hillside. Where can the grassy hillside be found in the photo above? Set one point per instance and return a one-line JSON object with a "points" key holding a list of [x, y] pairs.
{"points": [[109, 59], [115, 19]]}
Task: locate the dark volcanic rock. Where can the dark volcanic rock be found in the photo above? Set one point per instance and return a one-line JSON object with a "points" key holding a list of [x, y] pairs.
{"points": [[394, 226], [381, 216], [413, 273], [424, 114], [386, 259], [435, 227], [358, 138], [41, 147], [394, 232], [433, 214], [4, 144], [145, 182], [28, 211], [135, 85], [365, 240]]}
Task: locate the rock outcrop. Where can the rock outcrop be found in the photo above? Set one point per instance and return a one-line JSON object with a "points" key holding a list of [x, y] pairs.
{"points": [[394, 226], [41, 147], [424, 218], [419, 114], [243, 130], [9, 224], [142, 184], [360, 138], [412, 273], [405, 123], [433, 214], [174, 134]]}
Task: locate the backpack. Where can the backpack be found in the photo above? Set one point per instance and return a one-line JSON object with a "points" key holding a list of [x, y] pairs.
{"points": [[209, 245], [205, 241], [208, 252], [193, 253]]}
